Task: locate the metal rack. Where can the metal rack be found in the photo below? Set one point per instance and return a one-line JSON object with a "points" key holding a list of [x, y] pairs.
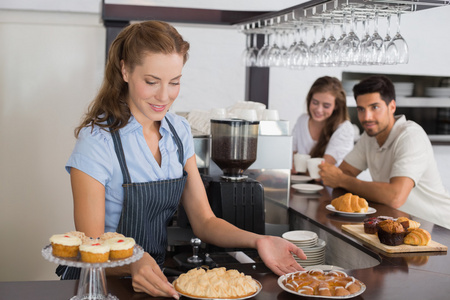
{"points": [[315, 12]]}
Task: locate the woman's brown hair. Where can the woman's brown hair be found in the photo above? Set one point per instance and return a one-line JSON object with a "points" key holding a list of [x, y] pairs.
{"points": [[331, 85], [132, 43]]}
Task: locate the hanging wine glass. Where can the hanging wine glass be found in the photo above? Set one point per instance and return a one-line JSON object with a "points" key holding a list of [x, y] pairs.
{"points": [[378, 51], [252, 53], [397, 51], [387, 38], [313, 53], [350, 48], [274, 55], [248, 39], [366, 44], [261, 58], [320, 44], [300, 55], [338, 60], [328, 47], [284, 36]]}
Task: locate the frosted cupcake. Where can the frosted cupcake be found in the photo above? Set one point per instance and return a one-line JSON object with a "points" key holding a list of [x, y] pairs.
{"points": [[94, 252], [121, 247], [65, 245]]}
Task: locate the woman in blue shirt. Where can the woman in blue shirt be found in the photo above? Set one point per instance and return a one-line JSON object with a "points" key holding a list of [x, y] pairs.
{"points": [[134, 161]]}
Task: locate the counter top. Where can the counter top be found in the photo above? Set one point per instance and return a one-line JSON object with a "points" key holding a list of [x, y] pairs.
{"points": [[410, 276]]}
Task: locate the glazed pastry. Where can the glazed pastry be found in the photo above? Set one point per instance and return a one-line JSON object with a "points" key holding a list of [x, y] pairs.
{"points": [[350, 203], [391, 232], [417, 237], [65, 245], [215, 283], [320, 283]]}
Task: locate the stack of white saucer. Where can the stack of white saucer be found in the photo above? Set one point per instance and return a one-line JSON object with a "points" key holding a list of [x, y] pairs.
{"points": [[312, 246]]}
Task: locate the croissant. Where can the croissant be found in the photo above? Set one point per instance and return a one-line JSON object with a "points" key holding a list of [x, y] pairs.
{"points": [[417, 237], [350, 203], [407, 223]]}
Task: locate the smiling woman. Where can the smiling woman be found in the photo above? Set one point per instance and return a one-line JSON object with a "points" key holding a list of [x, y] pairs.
{"points": [[134, 161], [326, 130]]}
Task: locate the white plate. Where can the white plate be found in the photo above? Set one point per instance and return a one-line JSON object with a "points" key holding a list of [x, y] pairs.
{"points": [[242, 298], [299, 235], [282, 277], [371, 210], [307, 188], [300, 178]]}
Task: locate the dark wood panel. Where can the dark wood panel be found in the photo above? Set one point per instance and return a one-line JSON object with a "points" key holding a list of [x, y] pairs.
{"points": [[114, 12]]}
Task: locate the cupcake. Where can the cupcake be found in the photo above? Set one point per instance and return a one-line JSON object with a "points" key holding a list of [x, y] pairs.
{"points": [[65, 245], [120, 247], [94, 252], [391, 233], [371, 224]]}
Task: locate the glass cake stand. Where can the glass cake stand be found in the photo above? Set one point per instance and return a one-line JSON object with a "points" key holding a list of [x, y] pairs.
{"points": [[92, 283]]}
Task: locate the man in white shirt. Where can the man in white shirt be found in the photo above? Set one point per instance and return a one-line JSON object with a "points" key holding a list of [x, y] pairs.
{"points": [[398, 155]]}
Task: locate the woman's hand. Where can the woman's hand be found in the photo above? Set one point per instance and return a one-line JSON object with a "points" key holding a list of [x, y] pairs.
{"points": [[148, 278], [277, 253]]}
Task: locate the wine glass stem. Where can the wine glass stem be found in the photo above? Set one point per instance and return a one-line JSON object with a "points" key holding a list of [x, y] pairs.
{"points": [[398, 21]]}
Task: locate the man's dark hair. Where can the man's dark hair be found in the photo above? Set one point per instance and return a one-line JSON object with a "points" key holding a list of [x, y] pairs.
{"points": [[376, 84]]}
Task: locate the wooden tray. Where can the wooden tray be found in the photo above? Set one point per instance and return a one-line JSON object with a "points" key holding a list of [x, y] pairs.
{"points": [[372, 239]]}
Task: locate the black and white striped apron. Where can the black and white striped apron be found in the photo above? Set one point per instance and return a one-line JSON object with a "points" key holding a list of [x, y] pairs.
{"points": [[147, 207]]}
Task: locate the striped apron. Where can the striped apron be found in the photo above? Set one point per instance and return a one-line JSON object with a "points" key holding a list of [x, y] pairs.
{"points": [[147, 207]]}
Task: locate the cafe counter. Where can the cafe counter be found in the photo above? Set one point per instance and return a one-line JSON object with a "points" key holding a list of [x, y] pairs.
{"points": [[416, 275]]}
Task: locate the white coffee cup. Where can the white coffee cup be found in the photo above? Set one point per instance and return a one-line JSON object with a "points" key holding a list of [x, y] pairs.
{"points": [[313, 167], [248, 114], [300, 162], [270, 115]]}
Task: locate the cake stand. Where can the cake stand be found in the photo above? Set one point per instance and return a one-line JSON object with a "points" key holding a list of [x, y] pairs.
{"points": [[92, 283]]}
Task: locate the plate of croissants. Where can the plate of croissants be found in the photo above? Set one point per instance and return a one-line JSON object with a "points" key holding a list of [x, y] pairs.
{"points": [[351, 206]]}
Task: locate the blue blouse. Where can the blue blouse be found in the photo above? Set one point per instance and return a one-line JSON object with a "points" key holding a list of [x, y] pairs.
{"points": [[94, 155]]}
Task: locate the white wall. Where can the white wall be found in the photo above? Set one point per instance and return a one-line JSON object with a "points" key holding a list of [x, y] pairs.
{"points": [[51, 65]]}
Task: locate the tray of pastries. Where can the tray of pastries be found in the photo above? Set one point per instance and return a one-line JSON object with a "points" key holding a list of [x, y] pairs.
{"points": [[217, 283], [394, 235], [334, 284]]}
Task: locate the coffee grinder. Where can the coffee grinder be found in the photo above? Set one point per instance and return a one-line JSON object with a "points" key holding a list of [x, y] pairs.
{"points": [[233, 196]]}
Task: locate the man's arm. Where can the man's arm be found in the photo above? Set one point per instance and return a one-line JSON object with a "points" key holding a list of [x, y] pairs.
{"points": [[394, 193]]}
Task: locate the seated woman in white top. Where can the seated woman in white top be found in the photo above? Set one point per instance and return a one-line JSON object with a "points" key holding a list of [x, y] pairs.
{"points": [[325, 131]]}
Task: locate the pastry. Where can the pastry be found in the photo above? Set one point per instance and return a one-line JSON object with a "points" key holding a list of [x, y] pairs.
{"points": [[216, 283], [407, 223], [350, 203], [94, 252], [120, 247], [391, 232], [417, 237], [320, 283], [65, 245]]}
